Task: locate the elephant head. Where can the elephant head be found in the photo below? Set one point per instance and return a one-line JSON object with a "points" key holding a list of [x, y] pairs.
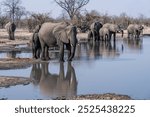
{"points": [[94, 33], [67, 35], [11, 27]]}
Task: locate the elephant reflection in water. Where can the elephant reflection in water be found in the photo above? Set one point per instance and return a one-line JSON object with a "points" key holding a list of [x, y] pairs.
{"points": [[103, 49], [97, 50], [94, 50], [55, 85], [12, 54], [134, 44], [109, 50]]}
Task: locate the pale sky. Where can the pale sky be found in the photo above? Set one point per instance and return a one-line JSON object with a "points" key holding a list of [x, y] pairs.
{"points": [[112, 7]]}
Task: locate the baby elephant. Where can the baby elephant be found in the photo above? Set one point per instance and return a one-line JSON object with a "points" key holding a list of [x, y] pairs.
{"points": [[104, 34], [36, 45]]}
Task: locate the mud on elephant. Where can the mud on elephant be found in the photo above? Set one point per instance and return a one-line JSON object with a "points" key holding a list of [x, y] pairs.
{"points": [[52, 34]]}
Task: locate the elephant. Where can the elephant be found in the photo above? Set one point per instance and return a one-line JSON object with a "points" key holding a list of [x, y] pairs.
{"points": [[11, 27], [104, 34], [53, 84], [94, 30], [53, 34], [113, 29], [134, 30], [36, 45]]}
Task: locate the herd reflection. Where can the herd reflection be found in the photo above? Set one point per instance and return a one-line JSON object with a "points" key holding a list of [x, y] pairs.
{"points": [[65, 84], [97, 50], [55, 85]]}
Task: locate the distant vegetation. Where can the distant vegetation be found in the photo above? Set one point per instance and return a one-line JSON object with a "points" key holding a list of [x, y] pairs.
{"points": [[14, 10]]}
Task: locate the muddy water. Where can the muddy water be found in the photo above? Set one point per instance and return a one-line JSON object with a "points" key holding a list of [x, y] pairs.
{"points": [[121, 68]]}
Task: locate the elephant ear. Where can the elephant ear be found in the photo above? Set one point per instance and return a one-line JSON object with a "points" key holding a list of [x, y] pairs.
{"points": [[64, 36], [61, 34]]}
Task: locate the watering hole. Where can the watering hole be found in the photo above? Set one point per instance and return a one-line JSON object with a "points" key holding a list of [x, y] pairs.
{"points": [[121, 68]]}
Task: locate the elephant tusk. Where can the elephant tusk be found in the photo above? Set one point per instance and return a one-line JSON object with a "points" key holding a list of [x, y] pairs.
{"points": [[71, 45]]}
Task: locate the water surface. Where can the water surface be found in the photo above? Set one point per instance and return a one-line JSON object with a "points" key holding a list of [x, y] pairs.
{"points": [[121, 68]]}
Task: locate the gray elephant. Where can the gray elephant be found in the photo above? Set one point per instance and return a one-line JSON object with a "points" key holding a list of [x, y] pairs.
{"points": [[36, 45], [104, 34], [52, 84], [134, 30], [52, 34], [113, 29], [94, 30], [11, 27]]}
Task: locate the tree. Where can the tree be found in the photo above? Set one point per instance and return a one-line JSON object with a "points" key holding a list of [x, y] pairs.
{"points": [[72, 6], [37, 19], [13, 8]]}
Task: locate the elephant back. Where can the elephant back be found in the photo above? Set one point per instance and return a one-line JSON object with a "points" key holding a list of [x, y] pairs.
{"points": [[107, 25], [111, 27], [132, 28]]}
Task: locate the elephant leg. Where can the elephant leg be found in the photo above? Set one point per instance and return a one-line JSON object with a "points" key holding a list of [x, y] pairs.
{"points": [[68, 47], [43, 50], [13, 36], [94, 35], [47, 53], [128, 35], [114, 37], [62, 71], [106, 37], [9, 35], [98, 37], [33, 50], [110, 36], [38, 53], [61, 52]]}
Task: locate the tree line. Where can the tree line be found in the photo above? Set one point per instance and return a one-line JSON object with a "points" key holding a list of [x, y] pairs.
{"points": [[13, 10]]}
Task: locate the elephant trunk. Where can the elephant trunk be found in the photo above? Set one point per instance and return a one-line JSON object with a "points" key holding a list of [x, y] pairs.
{"points": [[73, 42]]}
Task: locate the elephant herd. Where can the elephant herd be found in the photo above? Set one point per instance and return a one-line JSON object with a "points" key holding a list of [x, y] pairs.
{"points": [[98, 31], [64, 35]]}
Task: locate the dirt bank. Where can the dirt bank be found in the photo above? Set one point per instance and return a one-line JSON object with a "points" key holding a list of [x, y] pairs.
{"points": [[107, 96], [6, 81], [16, 63]]}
